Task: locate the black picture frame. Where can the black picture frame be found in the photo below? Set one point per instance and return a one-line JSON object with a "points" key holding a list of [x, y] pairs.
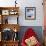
{"points": [[30, 13]]}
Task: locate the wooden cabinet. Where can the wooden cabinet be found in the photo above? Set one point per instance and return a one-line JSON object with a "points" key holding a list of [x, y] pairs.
{"points": [[5, 26]]}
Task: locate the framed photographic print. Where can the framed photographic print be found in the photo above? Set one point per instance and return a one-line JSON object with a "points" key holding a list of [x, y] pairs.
{"points": [[30, 13]]}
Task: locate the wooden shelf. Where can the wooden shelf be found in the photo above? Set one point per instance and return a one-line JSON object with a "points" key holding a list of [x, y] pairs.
{"points": [[3, 8], [4, 12], [10, 43], [11, 26], [14, 9]]}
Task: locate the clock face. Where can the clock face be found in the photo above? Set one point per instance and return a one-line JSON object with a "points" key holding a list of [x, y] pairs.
{"points": [[5, 12]]}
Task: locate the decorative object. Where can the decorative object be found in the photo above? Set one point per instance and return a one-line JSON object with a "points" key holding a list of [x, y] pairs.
{"points": [[7, 34], [5, 12], [13, 12], [30, 38], [15, 37], [30, 13], [31, 41], [15, 3], [6, 21]]}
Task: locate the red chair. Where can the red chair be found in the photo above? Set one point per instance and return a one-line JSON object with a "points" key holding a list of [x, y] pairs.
{"points": [[29, 33]]}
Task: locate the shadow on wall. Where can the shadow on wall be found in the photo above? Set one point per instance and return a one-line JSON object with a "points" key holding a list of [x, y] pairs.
{"points": [[37, 29]]}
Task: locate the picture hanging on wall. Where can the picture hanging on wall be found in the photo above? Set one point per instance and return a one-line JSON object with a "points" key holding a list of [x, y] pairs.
{"points": [[30, 13]]}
